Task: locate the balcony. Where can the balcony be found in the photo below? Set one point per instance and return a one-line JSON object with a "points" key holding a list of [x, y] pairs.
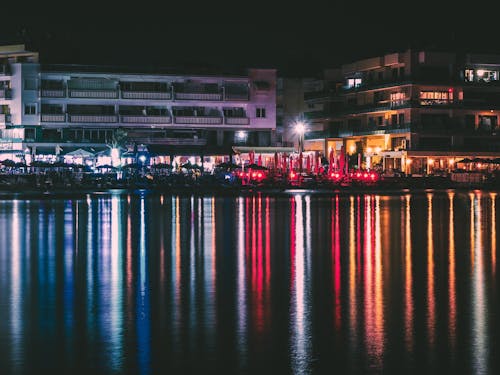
{"points": [[93, 118], [4, 120], [47, 117], [314, 115], [146, 95], [236, 120], [198, 96], [131, 119], [53, 93], [171, 141], [321, 134], [198, 120], [93, 94], [5, 93], [377, 130]]}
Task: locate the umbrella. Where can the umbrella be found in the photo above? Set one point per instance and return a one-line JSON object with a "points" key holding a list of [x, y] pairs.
{"points": [[316, 162], [342, 160], [276, 161], [332, 162], [466, 160], [308, 163], [259, 160], [300, 161], [251, 157]]}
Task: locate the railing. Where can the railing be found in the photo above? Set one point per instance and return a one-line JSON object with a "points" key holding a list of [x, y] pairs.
{"points": [[51, 93], [153, 95], [171, 141], [47, 117], [5, 93], [236, 120], [197, 120], [130, 119], [197, 96], [4, 119], [315, 115], [93, 94], [320, 134], [234, 96], [93, 118]]}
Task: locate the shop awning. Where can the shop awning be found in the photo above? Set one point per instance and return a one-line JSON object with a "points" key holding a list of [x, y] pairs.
{"points": [[263, 150]]}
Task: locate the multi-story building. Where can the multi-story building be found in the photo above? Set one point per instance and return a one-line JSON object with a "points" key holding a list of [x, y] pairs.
{"points": [[417, 111], [53, 108]]}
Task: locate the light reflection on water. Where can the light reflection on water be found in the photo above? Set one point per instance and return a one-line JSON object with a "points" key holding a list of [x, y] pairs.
{"points": [[144, 283]]}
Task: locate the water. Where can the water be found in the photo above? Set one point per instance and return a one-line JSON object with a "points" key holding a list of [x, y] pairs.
{"points": [[299, 284]]}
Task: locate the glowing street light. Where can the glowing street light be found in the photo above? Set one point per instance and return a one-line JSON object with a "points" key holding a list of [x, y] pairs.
{"points": [[300, 129]]}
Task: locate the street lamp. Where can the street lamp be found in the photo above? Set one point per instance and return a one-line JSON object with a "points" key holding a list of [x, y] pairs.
{"points": [[300, 129]]}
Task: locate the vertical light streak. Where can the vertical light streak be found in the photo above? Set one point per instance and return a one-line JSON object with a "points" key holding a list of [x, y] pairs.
{"points": [[175, 274], [143, 310], [90, 265], [379, 296], [192, 273], [493, 233], [408, 278], [16, 313], [479, 324], [336, 264], [352, 275], [452, 303], [431, 304], [241, 292], [116, 287], [299, 316]]}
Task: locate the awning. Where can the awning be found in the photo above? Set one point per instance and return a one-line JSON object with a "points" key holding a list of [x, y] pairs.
{"points": [[80, 153], [263, 150]]}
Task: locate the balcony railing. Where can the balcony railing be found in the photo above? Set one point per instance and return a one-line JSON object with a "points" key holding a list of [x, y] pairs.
{"points": [[202, 120], [4, 119], [51, 93], [131, 119], [93, 118], [198, 96], [236, 120], [171, 141], [5, 93], [47, 117], [93, 94], [151, 95], [236, 96]]}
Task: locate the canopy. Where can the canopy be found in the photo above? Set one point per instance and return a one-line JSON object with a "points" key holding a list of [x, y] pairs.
{"points": [[80, 153]]}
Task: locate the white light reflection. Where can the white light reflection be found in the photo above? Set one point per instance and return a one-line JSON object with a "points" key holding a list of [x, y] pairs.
{"points": [[408, 279], [493, 234], [451, 275], [16, 315], [241, 292], [479, 324], [300, 316], [116, 285]]}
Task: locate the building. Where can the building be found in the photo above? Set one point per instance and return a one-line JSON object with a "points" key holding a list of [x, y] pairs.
{"points": [[54, 109], [415, 111]]}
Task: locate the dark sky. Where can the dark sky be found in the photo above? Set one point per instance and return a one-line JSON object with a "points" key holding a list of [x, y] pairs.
{"points": [[296, 41]]}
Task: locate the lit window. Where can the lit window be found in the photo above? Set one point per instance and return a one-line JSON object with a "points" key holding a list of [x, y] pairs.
{"points": [[436, 97], [260, 112], [353, 82], [397, 98]]}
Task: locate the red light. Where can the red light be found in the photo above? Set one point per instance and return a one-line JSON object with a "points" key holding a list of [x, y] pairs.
{"points": [[450, 90], [292, 175], [372, 175], [365, 175], [259, 175], [254, 174], [358, 174]]}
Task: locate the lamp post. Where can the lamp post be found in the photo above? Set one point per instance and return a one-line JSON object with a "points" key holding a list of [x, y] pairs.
{"points": [[300, 130]]}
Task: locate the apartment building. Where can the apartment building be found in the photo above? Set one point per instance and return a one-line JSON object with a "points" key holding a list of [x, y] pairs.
{"points": [[416, 111], [54, 108]]}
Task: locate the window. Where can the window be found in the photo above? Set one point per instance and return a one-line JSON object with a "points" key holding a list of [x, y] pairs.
{"points": [[30, 109], [402, 71], [353, 82], [436, 97], [470, 122], [30, 84], [380, 121], [397, 99], [394, 119], [401, 118], [260, 112], [487, 122]]}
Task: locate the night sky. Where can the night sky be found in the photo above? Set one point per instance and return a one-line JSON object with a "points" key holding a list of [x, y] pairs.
{"points": [[235, 35]]}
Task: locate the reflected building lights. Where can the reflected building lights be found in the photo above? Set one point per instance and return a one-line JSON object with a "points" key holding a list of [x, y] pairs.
{"points": [[479, 324], [408, 278], [16, 312], [352, 276], [143, 313], [241, 293], [431, 303], [300, 345], [335, 230], [493, 234], [452, 303]]}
